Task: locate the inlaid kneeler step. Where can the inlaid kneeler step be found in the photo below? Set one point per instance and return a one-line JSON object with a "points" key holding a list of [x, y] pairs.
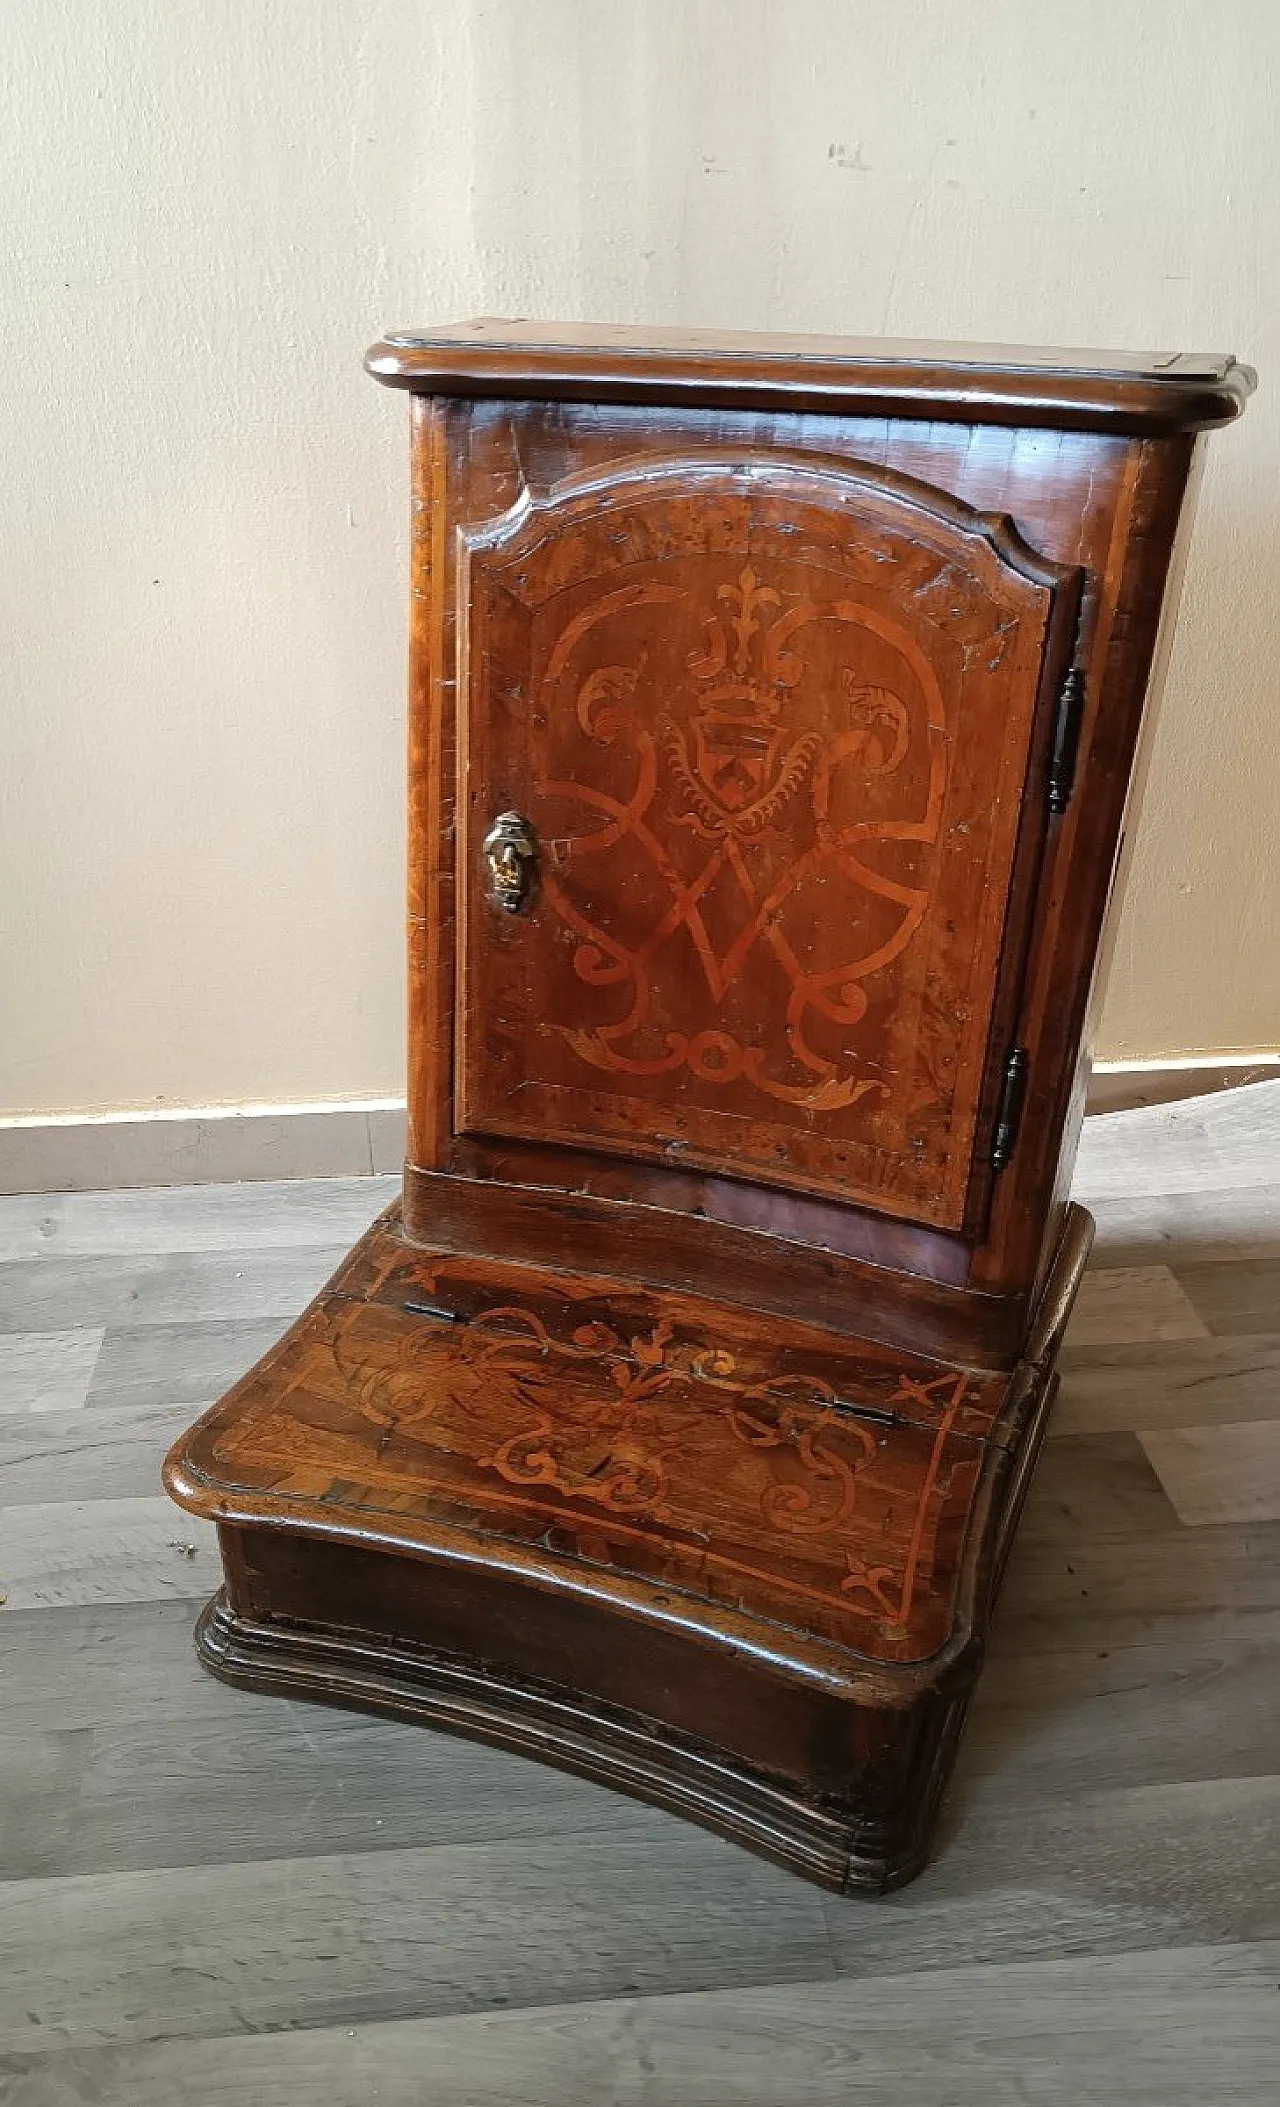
{"points": [[738, 1565]]}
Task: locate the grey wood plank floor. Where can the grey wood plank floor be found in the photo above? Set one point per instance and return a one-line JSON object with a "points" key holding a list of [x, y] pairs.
{"points": [[208, 1896]]}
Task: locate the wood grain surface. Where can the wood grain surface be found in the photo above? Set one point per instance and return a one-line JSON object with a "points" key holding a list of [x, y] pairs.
{"points": [[823, 1486], [768, 719]]}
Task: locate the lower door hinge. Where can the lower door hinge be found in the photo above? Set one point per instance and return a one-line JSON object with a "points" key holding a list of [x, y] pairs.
{"points": [[1013, 1089], [1066, 739]]}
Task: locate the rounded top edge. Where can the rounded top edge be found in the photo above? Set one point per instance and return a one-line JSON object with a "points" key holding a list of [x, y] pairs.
{"points": [[1151, 392]]}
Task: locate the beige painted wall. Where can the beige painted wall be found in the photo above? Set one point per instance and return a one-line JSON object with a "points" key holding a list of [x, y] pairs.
{"points": [[210, 208]]}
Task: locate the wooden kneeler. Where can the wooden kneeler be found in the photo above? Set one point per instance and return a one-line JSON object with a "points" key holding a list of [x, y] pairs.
{"points": [[773, 709]]}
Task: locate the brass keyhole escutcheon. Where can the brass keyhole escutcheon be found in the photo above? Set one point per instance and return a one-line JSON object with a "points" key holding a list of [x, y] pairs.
{"points": [[511, 861]]}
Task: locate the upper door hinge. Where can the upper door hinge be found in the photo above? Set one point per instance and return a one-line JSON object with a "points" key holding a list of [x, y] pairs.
{"points": [[1066, 739], [1013, 1089]]}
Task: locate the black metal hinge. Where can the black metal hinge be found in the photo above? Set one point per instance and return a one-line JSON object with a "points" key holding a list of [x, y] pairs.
{"points": [[1013, 1089], [1066, 739], [433, 1309]]}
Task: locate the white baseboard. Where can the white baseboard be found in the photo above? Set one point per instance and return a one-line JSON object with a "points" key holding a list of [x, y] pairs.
{"points": [[1121, 1086], [223, 1145], [204, 1145]]}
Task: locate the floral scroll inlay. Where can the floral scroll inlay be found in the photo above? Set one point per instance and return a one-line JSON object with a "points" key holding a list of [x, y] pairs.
{"points": [[592, 1418], [722, 763]]}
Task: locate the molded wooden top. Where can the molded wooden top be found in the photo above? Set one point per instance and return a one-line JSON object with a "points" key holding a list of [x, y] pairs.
{"points": [[969, 383]]}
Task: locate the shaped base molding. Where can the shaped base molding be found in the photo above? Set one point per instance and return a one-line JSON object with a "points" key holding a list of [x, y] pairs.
{"points": [[630, 1753]]}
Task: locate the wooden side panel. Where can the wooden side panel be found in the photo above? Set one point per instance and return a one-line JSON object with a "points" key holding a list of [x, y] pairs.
{"points": [[431, 794]]}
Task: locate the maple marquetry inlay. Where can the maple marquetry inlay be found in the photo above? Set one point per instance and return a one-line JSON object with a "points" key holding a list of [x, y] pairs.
{"points": [[770, 728], [817, 1480]]}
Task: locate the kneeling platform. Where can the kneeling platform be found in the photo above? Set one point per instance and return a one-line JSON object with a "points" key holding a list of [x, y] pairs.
{"points": [[737, 1565]]}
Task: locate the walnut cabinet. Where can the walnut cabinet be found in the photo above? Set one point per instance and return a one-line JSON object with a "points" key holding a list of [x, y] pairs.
{"points": [[773, 709]]}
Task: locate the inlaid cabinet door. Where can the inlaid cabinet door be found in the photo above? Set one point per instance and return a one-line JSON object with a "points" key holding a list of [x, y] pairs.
{"points": [[745, 861]]}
